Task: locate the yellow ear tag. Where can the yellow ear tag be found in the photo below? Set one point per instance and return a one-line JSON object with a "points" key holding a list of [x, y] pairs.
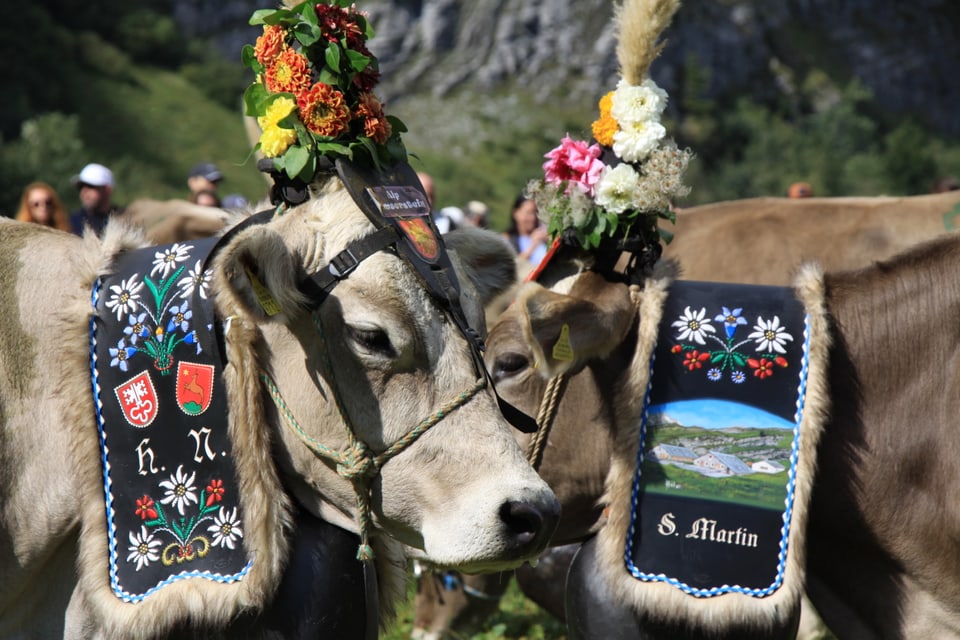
{"points": [[264, 297], [562, 349]]}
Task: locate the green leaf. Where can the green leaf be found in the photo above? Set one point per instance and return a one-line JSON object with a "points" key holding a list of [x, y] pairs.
{"points": [[333, 56], [665, 235], [397, 124], [260, 16], [295, 159], [256, 99], [327, 77], [307, 35], [739, 358], [358, 61]]}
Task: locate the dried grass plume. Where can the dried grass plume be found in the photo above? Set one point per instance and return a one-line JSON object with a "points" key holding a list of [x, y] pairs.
{"points": [[639, 24]]}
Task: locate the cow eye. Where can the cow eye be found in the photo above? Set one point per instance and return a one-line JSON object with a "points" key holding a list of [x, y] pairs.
{"points": [[373, 340], [509, 364]]}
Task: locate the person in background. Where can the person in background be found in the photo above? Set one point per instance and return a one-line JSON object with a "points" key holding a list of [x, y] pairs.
{"points": [[40, 204], [478, 214], [442, 220], [800, 190], [526, 234], [234, 201], [205, 198], [944, 184], [95, 184], [204, 176]]}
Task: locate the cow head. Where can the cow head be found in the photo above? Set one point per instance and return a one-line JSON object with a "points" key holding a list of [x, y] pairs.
{"points": [[375, 361], [584, 328]]}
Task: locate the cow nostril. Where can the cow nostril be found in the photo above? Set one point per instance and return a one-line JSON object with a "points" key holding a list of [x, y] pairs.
{"points": [[523, 521]]}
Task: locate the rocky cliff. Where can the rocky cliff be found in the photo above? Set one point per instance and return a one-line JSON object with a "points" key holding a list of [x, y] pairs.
{"points": [[906, 53]]}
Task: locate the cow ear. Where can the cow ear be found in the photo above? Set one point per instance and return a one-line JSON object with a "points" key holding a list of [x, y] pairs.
{"points": [[484, 258], [565, 331], [258, 275]]}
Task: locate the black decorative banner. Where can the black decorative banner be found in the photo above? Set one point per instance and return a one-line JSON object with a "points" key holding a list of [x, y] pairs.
{"points": [[169, 479], [713, 492]]}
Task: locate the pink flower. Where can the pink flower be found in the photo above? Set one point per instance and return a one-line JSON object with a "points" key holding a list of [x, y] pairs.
{"points": [[574, 162]]}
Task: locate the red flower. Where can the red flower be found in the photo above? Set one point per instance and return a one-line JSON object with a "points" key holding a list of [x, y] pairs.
{"points": [[215, 491], [323, 110], [676, 349], [270, 44], [694, 359], [145, 508], [336, 22], [375, 124], [781, 361], [763, 368], [289, 73]]}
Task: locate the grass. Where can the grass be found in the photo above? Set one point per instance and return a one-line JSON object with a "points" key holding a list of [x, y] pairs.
{"points": [[518, 618]]}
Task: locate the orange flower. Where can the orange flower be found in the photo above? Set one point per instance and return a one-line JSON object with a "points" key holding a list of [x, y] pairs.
{"points": [[270, 45], [605, 126], [375, 124], [323, 110], [289, 73]]}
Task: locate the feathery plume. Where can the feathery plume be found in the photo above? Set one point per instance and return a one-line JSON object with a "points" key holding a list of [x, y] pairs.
{"points": [[639, 24]]}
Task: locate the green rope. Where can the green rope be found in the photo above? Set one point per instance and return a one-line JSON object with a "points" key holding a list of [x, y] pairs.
{"points": [[356, 462]]}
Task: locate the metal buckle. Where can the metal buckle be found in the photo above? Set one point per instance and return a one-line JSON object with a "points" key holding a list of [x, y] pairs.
{"points": [[342, 264]]}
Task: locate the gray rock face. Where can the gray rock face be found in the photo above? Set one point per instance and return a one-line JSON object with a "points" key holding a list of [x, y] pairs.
{"points": [[906, 53]]}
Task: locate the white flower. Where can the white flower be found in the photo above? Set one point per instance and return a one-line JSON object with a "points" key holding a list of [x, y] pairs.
{"points": [[637, 103], [125, 296], [770, 336], [616, 189], [143, 548], [166, 261], [693, 326], [225, 528], [634, 141], [180, 490], [195, 279]]}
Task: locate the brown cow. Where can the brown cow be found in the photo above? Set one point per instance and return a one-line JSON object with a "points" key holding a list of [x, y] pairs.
{"points": [[757, 240], [881, 555], [763, 240]]}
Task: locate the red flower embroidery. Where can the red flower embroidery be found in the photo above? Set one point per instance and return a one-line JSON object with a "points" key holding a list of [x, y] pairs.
{"points": [[215, 491], [781, 361], [145, 508], [676, 349], [694, 359], [763, 368]]}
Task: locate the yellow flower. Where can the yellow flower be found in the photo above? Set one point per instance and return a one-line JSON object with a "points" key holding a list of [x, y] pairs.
{"points": [[275, 139], [277, 111], [606, 103]]}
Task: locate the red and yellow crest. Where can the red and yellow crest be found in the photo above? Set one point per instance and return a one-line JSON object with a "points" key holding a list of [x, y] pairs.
{"points": [[194, 387]]}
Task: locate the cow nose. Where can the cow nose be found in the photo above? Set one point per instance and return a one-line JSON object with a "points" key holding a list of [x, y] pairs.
{"points": [[530, 525]]}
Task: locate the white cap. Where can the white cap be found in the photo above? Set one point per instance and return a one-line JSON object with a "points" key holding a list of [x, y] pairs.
{"points": [[95, 175]]}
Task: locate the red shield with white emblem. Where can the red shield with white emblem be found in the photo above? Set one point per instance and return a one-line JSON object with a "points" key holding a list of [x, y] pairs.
{"points": [[194, 387], [138, 400]]}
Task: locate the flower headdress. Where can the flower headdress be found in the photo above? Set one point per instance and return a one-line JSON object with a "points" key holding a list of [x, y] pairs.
{"points": [[313, 94], [618, 186]]}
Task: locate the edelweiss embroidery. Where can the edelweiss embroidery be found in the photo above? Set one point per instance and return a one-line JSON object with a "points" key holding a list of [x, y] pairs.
{"points": [[696, 334], [157, 329]]}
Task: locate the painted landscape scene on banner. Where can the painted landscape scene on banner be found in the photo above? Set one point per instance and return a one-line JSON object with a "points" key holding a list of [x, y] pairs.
{"points": [[718, 450]]}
